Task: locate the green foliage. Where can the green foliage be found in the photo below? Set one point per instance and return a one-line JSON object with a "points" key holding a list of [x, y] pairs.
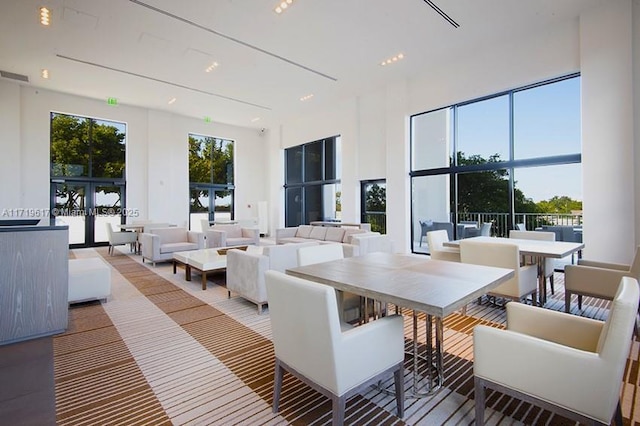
{"points": [[376, 199], [210, 163], [560, 204]]}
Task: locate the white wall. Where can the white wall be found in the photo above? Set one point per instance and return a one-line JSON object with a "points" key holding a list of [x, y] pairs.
{"points": [[157, 153]]}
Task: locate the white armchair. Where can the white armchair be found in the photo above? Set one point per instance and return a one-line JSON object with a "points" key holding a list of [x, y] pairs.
{"points": [[596, 279], [549, 263], [564, 363], [437, 250], [311, 343], [160, 243], [231, 235], [120, 238], [524, 282]]}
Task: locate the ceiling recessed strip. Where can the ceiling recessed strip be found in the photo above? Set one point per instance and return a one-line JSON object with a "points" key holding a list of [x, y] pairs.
{"points": [[251, 46], [93, 64], [45, 16], [442, 13]]}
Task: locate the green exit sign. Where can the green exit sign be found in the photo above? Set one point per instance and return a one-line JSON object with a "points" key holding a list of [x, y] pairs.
{"points": [[112, 101], [207, 119]]}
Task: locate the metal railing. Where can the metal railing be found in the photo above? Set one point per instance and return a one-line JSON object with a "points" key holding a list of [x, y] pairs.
{"points": [[532, 221]]}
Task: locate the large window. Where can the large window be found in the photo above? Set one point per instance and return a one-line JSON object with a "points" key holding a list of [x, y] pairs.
{"points": [[87, 176], [312, 182], [210, 180], [374, 204], [511, 158]]}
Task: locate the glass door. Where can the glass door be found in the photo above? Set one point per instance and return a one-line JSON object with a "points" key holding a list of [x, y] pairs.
{"points": [[209, 203], [86, 208]]}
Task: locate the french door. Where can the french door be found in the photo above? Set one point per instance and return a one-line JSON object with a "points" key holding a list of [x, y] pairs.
{"points": [[86, 207], [211, 203]]}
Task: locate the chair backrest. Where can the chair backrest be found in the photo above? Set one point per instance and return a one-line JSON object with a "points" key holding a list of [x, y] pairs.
{"points": [[436, 239], [500, 255], [204, 224], [485, 230], [320, 253], [447, 226], [305, 326], [149, 226], [521, 226], [109, 231], [615, 338], [533, 235]]}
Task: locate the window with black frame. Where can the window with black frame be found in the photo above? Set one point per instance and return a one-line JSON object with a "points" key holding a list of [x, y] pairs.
{"points": [[211, 186], [87, 173], [512, 159], [312, 182], [374, 204]]}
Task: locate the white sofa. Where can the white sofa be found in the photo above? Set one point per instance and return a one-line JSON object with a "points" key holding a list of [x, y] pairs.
{"points": [[355, 242], [89, 279], [161, 243], [245, 269], [231, 235]]}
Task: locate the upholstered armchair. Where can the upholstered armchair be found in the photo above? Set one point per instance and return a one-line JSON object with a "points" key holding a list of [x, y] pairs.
{"points": [[231, 235], [245, 269], [524, 282], [549, 263], [437, 250], [568, 364], [596, 279], [311, 343], [120, 238], [160, 243]]}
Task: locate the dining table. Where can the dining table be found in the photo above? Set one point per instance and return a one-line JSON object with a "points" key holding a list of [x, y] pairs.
{"points": [[134, 227], [538, 250], [435, 288]]}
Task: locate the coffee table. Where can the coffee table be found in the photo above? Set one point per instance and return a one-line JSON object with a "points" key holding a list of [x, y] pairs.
{"points": [[203, 261]]}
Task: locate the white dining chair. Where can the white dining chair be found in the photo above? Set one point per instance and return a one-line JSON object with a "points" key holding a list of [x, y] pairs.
{"points": [[549, 264]]}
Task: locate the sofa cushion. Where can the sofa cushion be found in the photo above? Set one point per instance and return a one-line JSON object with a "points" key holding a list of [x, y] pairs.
{"points": [[348, 232], [304, 231], [232, 231], [181, 246], [294, 240], [241, 241], [318, 233], [171, 235], [334, 234]]}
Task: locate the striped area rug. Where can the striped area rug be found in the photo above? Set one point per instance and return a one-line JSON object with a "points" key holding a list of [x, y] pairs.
{"points": [[162, 351]]}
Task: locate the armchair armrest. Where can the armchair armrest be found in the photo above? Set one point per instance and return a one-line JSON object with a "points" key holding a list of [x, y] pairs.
{"points": [[383, 337], [285, 233], [150, 245], [593, 281], [253, 233], [349, 250], [196, 237], [245, 274], [596, 264], [559, 327], [215, 238]]}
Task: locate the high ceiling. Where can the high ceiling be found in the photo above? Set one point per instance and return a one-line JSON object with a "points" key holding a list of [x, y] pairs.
{"points": [[146, 52]]}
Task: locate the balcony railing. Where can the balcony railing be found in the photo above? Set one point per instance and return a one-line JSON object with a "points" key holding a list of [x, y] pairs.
{"points": [[532, 221]]}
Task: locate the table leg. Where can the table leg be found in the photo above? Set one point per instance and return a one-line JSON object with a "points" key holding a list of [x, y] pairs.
{"points": [[434, 359], [542, 281], [187, 272], [204, 280], [174, 267]]}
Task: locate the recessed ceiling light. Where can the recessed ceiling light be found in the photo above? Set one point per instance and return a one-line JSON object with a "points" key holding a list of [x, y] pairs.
{"points": [[212, 67], [393, 59], [253, 120], [45, 73], [45, 15], [172, 100], [307, 97], [284, 4]]}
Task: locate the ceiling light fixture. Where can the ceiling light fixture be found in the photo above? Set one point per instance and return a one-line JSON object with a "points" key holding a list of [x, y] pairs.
{"points": [[282, 6], [393, 59], [171, 101], [253, 120], [45, 15], [45, 73], [212, 67], [307, 97]]}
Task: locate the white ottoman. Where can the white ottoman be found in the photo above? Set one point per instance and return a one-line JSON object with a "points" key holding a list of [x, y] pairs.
{"points": [[89, 279]]}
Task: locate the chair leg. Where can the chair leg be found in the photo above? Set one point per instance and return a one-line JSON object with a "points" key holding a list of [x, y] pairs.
{"points": [[479, 401], [618, 416], [399, 388], [567, 301], [277, 385], [580, 301], [551, 283], [338, 403]]}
